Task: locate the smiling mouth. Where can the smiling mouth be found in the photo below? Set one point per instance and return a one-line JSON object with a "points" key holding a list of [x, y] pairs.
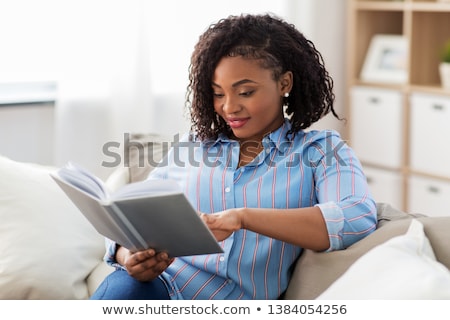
{"points": [[237, 123]]}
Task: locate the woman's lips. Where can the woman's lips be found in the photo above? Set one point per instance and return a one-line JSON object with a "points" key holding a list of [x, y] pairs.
{"points": [[237, 122]]}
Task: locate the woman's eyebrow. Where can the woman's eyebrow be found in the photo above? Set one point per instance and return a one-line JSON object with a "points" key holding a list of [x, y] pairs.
{"points": [[237, 83], [243, 81]]}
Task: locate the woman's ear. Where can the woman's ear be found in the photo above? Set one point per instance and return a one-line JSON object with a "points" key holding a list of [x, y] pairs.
{"points": [[286, 82]]}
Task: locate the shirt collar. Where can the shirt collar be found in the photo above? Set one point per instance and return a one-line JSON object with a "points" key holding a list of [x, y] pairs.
{"points": [[279, 139]]}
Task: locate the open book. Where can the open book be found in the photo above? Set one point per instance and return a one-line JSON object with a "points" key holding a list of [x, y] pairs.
{"points": [[141, 215]]}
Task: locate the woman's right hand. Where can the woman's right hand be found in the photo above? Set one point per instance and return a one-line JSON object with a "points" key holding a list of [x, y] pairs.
{"points": [[143, 265]]}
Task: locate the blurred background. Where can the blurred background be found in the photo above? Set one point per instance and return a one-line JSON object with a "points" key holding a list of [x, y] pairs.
{"points": [[75, 75]]}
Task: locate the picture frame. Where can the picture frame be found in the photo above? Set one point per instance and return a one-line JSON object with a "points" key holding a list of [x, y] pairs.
{"points": [[386, 60]]}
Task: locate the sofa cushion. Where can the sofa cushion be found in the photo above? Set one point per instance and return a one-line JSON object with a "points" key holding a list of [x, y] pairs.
{"points": [[142, 152], [437, 231], [100, 272], [403, 267], [47, 247], [316, 271]]}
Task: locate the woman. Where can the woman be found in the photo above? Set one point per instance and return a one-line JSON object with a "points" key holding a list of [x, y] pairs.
{"points": [[265, 187]]}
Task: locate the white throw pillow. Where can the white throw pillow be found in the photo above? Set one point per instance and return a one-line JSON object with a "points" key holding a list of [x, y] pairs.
{"points": [[47, 247], [403, 267]]}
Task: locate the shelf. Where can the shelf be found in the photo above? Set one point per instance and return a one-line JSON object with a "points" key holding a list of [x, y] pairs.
{"points": [[429, 6], [428, 175], [380, 5], [30, 92], [430, 30], [437, 89], [400, 87], [426, 26]]}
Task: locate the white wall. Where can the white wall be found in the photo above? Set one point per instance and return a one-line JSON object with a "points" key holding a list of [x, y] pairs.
{"points": [[32, 39], [323, 22], [25, 131], [179, 24]]}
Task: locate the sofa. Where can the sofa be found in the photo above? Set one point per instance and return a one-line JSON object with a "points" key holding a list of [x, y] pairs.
{"points": [[49, 251]]}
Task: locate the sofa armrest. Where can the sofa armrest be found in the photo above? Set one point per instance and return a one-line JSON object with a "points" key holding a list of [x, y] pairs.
{"points": [[97, 275], [316, 271]]}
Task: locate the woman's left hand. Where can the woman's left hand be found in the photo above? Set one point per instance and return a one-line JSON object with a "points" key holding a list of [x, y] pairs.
{"points": [[224, 223]]}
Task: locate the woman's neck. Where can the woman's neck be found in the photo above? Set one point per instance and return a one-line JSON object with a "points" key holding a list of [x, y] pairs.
{"points": [[248, 151]]}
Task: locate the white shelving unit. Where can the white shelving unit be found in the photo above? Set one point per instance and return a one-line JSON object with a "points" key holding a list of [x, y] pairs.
{"points": [[401, 132]]}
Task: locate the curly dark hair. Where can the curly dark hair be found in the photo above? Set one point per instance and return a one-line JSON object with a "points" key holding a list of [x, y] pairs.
{"points": [[280, 47]]}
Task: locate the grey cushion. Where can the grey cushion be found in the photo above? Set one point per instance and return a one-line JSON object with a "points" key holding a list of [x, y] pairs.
{"points": [[142, 152], [316, 271]]}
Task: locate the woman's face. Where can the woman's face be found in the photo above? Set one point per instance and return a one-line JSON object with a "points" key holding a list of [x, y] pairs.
{"points": [[248, 98]]}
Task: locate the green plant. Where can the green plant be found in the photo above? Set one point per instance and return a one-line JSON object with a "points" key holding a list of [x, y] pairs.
{"points": [[445, 55]]}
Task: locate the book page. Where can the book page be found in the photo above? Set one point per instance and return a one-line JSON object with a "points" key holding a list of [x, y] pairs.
{"points": [[147, 214], [146, 188], [84, 180]]}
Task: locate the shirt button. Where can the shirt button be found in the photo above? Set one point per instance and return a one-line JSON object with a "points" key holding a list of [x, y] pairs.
{"points": [[227, 189], [221, 258], [267, 150]]}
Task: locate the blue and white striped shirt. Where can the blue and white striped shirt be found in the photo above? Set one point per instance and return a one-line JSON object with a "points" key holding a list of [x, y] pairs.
{"points": [[315, 168]]}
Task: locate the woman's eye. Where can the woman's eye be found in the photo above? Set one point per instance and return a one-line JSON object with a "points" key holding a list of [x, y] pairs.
{"points": [[217, 95], [246, 93]]}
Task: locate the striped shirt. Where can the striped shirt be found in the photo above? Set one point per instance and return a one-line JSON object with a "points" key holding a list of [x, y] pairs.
{"points": [[315, 168]]}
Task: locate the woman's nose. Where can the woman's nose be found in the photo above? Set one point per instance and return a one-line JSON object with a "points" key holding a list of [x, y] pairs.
{"points": [[231, 106]]}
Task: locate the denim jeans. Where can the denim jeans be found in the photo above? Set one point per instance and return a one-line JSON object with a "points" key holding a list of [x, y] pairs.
{"points": [[119, 285]]}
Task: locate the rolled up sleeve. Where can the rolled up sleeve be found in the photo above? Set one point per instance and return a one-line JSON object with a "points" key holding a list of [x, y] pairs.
{"points": [[342, 192], [110, 254]]}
